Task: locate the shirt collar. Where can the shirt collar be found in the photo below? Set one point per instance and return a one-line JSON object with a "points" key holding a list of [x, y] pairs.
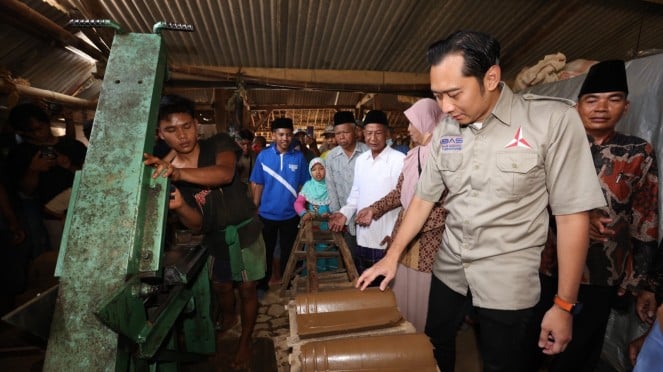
{"points": [[337, 151], [382, 153], [502, 109]]}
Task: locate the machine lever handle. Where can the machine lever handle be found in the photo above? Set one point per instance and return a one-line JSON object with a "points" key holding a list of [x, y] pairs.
{"points": [[171, 26], [91, 23]]}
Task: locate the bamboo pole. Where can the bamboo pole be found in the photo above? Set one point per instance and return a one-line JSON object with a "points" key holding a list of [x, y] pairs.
{"points": [[27, 19]]}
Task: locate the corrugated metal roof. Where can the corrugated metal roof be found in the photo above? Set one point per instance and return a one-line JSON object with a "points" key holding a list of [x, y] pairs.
{"points": [[359, 35], [44, 65]]}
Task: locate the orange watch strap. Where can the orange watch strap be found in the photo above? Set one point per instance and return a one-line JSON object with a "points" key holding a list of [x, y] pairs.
{"points": [[563, 304]]}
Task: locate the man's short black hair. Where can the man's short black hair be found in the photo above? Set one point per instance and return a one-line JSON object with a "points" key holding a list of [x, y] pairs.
{"points": [[246, 134], [174, 104], [480, 51], [21, 115]]}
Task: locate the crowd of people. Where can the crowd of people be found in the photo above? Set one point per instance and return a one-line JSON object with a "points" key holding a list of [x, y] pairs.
{"points": [[532, 214]]}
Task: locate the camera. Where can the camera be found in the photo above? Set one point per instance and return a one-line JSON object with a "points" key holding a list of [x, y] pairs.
{"points": [[48, 152]]}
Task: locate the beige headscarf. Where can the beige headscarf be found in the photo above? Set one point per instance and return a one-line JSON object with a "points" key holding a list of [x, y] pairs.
{"points": [[424, 115]]}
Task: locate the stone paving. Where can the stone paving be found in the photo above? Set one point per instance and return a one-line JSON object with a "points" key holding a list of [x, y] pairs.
{"points": [[273, 319], [272, 323]]}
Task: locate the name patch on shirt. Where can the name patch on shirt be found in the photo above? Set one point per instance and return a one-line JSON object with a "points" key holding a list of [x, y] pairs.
{"points": [[451, 143], [293, 167]]}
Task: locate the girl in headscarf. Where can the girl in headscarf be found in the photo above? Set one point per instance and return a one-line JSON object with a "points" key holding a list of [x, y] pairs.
{"points": [[313, 201], [412, 282]]}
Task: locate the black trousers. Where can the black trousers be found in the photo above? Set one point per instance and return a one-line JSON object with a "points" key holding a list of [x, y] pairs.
{"points": [[502, 333], [286, 231], [584, 350], [351, 241]]}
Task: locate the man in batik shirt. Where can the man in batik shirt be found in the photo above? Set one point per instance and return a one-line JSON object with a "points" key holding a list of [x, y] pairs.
{"points": [[624, 235]]}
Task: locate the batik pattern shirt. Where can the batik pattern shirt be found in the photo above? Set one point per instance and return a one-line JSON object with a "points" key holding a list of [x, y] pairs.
{"points": [[627, 171]]}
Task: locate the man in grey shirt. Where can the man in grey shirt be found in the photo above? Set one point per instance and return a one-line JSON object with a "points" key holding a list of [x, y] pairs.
{"points": [[504, 159], [340, 164]]}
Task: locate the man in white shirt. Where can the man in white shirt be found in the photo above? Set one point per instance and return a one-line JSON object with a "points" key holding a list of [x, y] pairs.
{"points": [[376, 173]]}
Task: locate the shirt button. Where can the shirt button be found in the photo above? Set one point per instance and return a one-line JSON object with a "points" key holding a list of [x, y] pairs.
{"points": [[476, 167], [514, 166], [466, 264], [465, 222]]}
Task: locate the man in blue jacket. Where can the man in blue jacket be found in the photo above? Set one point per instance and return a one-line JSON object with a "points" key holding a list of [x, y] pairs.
{"points": [[276, 178]]}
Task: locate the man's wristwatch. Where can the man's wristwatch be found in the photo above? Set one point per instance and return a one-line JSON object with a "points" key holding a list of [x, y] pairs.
{"points": [[573, 309]]}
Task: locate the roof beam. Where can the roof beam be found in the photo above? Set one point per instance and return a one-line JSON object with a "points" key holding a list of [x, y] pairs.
{"points": [[24, 90], [342, 80], [267, 106]]}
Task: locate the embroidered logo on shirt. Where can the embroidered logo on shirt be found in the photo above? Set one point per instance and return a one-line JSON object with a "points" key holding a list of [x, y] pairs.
{"points": [[518, 140], [293, 167], [451, 143]]}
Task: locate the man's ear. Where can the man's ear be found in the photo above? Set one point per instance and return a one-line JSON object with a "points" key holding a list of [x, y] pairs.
{"points": [[492, 78], [626, 107], [159, 134]]}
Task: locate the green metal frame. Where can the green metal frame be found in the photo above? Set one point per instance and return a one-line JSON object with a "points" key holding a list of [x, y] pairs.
{"points": [[112, 247]]}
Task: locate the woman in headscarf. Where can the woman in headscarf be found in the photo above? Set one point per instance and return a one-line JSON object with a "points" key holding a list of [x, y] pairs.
{"points": [[412, 282]]}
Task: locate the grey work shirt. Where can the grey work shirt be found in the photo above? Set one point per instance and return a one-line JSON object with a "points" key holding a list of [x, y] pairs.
{"points": [[530, 153], [340, 176]]}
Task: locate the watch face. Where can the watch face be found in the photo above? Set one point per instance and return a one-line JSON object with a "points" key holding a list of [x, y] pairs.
{"points": [[577, 308]]}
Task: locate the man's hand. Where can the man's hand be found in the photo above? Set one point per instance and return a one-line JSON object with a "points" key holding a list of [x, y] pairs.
{"points": [[161, 167], [598, 226], [337, 222], [645, 306], [556, 331], [386, 266], [365, 216], [176, 200]]}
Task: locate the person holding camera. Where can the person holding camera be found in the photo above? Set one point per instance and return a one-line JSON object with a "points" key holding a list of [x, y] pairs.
{"points": [[42, 167]]}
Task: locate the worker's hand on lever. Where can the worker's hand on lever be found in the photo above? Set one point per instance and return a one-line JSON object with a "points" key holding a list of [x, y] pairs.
{"points": [[386, 267], [161, 167]]}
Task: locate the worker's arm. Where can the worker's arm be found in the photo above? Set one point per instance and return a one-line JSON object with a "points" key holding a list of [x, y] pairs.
{"points": [[572, 245], [190, 217], [415, 217], [221, 173]]}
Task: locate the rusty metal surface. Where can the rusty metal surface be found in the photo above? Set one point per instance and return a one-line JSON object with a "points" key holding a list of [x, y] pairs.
{"points": [[106, 224]]}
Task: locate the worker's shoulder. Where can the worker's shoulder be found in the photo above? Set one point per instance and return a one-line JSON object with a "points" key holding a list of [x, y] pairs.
{"points": [[539, 99]]}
